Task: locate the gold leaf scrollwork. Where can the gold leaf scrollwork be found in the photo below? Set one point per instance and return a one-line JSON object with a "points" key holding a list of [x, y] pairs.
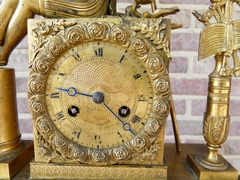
{"points": [[100, 156], [162, 108], [35, 84], [215, 129], [56, 46], [97, 30], [75, 35], [37, 106], [152, 127], [162, 86], [140, 46], [41, 64], [44, 152], [120, 35], [138, 143], [156, 65], [79, 153], [121, 153], [60, 143], [149, 154], [41, 30], [44, 127]]}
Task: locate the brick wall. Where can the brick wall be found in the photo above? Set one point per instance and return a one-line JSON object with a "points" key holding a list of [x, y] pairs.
{"points": [[189, 79]]}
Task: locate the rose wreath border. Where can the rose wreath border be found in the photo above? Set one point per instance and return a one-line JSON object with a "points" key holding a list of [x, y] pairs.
{"points": [[64, 35]]}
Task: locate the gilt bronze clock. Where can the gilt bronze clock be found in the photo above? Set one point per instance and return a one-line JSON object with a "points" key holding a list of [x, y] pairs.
{"points": [[99, 94]]}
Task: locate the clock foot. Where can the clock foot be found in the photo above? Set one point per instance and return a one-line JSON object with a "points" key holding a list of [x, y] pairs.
{"points": [[204, 173], [16, 159]]}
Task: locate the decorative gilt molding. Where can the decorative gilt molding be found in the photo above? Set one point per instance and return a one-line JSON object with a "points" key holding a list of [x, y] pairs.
{"points": [[216, 129], [70, 171], [52, 39], [221, 35]]}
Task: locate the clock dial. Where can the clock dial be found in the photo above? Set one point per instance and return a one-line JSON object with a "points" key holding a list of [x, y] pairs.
{"points": [[102, 98]]}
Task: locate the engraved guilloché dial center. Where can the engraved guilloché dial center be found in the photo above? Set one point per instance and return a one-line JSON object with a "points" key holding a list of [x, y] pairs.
{"points": [[103, 96]]}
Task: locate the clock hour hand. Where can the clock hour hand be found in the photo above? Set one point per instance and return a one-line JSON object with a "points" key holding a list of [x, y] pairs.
{"points": [[72, 92], [126, 126]]}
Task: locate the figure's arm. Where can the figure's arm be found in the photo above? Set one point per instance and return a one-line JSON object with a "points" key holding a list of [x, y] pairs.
{"points": [[16, 27], [7, 9]]}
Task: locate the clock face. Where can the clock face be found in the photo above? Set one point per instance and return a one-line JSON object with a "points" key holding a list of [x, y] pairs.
{"points": [[99, 94]]}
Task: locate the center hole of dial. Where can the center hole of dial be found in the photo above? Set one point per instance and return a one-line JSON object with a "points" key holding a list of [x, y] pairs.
{"points": [[98, 97]]}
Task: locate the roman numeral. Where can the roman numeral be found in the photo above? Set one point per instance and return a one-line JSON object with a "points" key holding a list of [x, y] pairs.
{"points": [[122, 58], [136, 76], [77, 133], [141, 98], [60, 116], [76, 57], [61, 74], [55, 95], [136, 119], [99, 52]]}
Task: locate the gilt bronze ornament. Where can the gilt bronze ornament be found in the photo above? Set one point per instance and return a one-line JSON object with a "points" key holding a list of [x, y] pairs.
{"points": [[99, 94], [221, 39], [135, 51], [13, 27], [14, 152]]}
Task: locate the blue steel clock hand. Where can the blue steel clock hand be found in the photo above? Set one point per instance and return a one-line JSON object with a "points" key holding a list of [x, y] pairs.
{"points": [[98, 98], [72, 92], [126, 126]]}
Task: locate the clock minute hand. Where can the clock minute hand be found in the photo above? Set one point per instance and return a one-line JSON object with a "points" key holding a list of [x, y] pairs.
{"points": [[98, 97], [72, 92], [126, 126]]}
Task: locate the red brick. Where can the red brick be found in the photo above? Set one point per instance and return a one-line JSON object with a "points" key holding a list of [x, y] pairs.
{"points": [[180, 107], [184, 2], [205, 66], [22, 104], [23, 44], [19, 62], [21, 84], [234, 128], [185, 127], [234, 107], [183, 17], [230, 147], [235, 88], [25, 125], [184, 41], [194, 141], [179, 65], [198, 107], [185, 86]]}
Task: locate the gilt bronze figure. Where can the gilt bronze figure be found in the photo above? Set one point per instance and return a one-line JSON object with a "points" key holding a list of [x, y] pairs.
{"points": [[13, 26]]}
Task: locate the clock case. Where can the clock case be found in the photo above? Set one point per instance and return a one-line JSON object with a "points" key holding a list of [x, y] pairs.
{"points": [[59, 157]]}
